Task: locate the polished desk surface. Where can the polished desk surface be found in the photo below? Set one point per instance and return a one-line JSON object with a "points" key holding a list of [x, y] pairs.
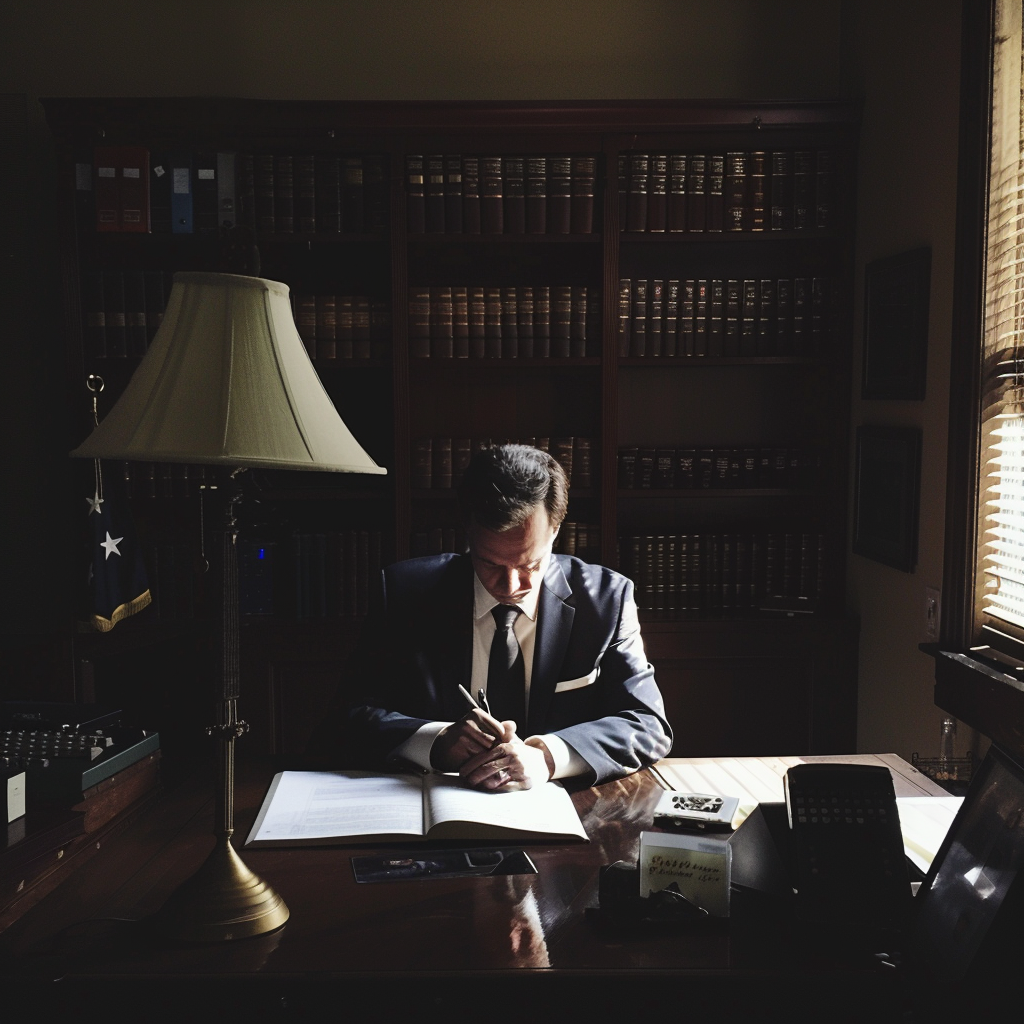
{"points": [[92, 929]]}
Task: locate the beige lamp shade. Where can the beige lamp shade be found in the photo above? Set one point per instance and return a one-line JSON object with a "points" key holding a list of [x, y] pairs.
{"points": [[227, 380]]}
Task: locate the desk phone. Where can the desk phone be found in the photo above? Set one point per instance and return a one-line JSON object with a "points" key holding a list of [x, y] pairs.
{"points": [[848, 863]]}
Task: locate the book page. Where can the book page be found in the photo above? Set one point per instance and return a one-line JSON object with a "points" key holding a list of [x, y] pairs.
{"points": [[311, 806], [544, 810]]}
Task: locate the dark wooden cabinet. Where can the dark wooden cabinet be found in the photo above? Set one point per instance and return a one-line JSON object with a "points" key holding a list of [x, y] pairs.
{"points": [[432, 338]]}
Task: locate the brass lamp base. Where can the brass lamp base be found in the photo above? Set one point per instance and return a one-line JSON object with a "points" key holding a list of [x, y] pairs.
{"points": [[222, 901]]}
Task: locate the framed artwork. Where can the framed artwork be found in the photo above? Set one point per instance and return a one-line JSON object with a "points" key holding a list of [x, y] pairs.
{"points": [[888, 477], [896, 325]]}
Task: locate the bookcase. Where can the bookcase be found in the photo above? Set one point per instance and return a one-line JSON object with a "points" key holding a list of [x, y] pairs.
{"points": [[658, 292]]}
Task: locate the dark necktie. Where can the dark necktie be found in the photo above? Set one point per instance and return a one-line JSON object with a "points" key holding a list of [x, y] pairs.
{"points": [[506, 673]]}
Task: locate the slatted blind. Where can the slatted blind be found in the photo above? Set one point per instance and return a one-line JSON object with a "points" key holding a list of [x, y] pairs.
{"points": [[1001, 552]]}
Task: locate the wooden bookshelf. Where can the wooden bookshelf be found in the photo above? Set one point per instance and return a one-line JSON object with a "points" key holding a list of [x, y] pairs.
{"points": [[425, 368]]}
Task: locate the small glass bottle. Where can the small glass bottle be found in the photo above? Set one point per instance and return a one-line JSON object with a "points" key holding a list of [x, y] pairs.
{"points": [[947, 737]]}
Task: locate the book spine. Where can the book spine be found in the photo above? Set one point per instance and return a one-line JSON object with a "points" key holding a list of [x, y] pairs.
{"points": [[715, 193], [477, 322], [716, 317], [227, 189], [696, 207], [670, 336], [583, 177], [471, 195], [434, 202], [514, 199], [453, 197], [135, 312], [655, 315], [578, 321], [326, 327], [113, 303], [441, 322], [625, 314], [561, 321], [345, 329], [525, 315], [362, 328], [736, 214], [492, 209], [415, 194], [460, 322], [803, 189], [760, 213], [327, 169], [509, 323], [687, 309], [160, 193], [542, 322], [559, 206], [305, 320], [638, 325], [700, 318], [676, 202], [536, 195], [781, 191], [353, 195], [95, 308], [492, 322], [419, 321], [766, 345], [133, 199], [733, 317], [636, 204], [748, 326]]}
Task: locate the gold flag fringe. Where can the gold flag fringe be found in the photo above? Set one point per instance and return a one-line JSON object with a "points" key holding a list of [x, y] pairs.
{"points": [[122, 611]]}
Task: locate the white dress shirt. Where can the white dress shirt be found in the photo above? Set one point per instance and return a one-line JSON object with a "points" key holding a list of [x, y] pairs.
{"points": [[417, 747]]}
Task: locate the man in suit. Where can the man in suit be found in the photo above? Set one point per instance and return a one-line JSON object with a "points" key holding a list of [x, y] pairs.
{"points": [[553, 642]]}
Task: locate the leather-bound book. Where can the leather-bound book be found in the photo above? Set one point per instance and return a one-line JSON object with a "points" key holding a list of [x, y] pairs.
{"points": [[655, 315], [670, 331], [578, 321], [766, 345], [733, 316], [803, 189], [514, 173], [477, 321], [701, 303], [121, 188], [736, 191], [801, 316], [781, 204], [305, 320], [453, 193], [757, 190], [536, 194], [625, 314], [419, 321], [525, 313], [415, 194], [442, 345], [784, 316], [561, 321], [509, 323], [687, 308], [715, 192], [542, 321], [492, 322], [376, 192], [471, 195], [492, 203], [657, 193], [638, 321], [434, 193], [583, 175], [716, 317], [636, 203], [623, 185], [824, 189], [748, 324], [676, 192], [460, 322], [696, 182], [559, 194]]}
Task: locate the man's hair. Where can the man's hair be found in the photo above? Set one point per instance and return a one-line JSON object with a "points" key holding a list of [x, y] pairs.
{"points": [[503, 486]]}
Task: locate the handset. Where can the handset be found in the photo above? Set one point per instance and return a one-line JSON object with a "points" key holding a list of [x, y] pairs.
{"points": [[849, 868]]}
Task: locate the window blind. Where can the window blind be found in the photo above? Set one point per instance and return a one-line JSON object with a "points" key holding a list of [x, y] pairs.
{"points": [[1001, 551]]}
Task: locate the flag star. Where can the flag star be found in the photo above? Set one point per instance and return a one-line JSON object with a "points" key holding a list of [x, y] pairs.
{"points": [[94, 503], [110, 545]]}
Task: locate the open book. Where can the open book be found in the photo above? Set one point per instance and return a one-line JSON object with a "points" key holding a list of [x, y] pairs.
{"points": [[338, 808]]}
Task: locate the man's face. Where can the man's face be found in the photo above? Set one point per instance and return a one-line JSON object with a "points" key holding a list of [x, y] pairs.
{"points": [[511, 564]]}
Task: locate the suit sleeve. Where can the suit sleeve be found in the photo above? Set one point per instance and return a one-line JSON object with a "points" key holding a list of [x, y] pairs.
{"points": [[629, 730]]}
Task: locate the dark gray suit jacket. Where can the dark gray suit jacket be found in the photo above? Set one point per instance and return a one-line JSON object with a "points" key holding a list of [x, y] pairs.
{"points": [[591, 683]]}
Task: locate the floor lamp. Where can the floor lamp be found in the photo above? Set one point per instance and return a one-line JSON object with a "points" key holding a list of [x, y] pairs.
{"points": [[226, 382]]}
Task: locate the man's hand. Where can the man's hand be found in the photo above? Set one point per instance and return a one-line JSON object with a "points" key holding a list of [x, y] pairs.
{"points": [[475, 733], [510, 764]]}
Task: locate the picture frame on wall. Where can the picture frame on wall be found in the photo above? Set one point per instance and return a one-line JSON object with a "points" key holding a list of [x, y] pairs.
{"points": [[896, 296], [887, 495]]}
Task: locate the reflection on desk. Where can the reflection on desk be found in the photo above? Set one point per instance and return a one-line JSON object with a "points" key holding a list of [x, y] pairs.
{"points": [[499, 942]]}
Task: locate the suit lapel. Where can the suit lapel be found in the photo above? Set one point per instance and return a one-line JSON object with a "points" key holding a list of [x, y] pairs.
{"points": [[554, 626]]}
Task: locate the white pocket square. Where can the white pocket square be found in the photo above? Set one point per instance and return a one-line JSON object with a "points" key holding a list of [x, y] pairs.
{"points": [[575, 684]]}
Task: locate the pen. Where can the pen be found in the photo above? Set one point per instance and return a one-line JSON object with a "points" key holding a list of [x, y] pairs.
{"points": [[480, 702]]}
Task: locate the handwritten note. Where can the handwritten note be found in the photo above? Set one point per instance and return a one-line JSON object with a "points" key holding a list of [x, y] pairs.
{"points": [[701, 867]]}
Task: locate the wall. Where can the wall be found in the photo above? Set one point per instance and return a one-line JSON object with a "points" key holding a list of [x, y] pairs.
{"points": [[904, 59]]}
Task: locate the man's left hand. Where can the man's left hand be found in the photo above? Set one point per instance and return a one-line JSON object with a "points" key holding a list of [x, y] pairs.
{"points": [[510, 764]]}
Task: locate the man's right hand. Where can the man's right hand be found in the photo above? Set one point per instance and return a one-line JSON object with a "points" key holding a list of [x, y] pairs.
{"points": [[472, 734]]}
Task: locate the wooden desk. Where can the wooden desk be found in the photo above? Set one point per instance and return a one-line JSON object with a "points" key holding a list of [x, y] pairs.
{"points": [[498, 942]]}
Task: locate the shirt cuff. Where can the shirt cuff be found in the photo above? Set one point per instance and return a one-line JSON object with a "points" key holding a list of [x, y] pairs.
{"points": [[416, 748], [567, 762]]}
